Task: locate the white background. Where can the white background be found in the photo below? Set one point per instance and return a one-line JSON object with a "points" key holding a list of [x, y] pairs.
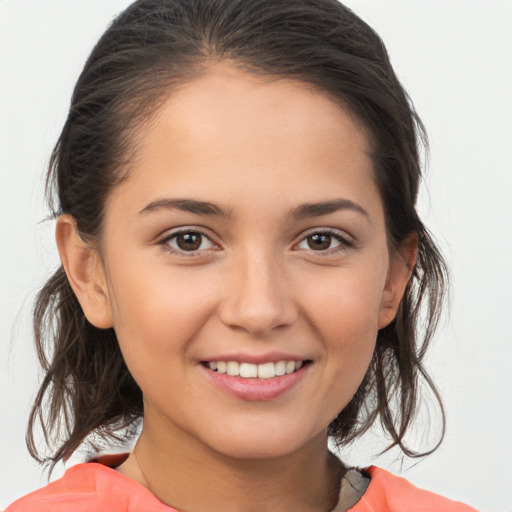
{"points": [[455, 59]]}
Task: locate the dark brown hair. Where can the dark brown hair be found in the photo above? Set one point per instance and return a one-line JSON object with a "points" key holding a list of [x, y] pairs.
{"points": [[156, 45]]}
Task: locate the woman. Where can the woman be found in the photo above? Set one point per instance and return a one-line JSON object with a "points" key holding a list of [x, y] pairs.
{"points": [[242, 263]]}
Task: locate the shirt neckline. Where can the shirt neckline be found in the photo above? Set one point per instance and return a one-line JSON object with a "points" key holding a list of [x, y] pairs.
{"points": [[353, 486]]}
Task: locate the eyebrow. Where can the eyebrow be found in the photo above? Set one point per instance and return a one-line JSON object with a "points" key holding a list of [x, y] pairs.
{"points": [[186, 205], [326, 207], [302, 211]]}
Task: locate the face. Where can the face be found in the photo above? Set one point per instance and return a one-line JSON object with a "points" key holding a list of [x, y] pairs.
{"points": [[245, 261]]}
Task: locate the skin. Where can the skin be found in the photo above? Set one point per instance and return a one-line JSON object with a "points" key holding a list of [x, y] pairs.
{"points": [[258, 149]]}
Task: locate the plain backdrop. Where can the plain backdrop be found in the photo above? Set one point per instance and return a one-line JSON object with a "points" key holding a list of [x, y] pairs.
{"points": [[455, 59]]}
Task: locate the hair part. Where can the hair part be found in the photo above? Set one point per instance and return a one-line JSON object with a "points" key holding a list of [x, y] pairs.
{"points": [[150, 49]]}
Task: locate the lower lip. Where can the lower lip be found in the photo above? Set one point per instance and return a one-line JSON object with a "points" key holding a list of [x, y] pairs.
{"points": [[256, 389]]}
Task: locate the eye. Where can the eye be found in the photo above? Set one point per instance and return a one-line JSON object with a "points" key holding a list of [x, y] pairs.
{"points": [[188, 241], [324, 241]]}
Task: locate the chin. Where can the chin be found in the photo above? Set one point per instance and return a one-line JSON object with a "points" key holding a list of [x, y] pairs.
{"points": [[262, 443]]}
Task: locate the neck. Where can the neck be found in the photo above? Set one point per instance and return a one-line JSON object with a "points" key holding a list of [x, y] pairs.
{"points": [[195, 478]]}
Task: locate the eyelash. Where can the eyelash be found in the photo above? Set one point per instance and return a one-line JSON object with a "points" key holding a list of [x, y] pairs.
{"points": [[165, 243], [345, 243]]}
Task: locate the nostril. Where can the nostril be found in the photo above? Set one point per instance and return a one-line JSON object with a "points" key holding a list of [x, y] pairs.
{"points": [[257, 320]]}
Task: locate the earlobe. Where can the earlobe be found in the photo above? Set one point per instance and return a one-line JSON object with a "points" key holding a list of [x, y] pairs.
{"points": [[85, 272], [401, 266]]}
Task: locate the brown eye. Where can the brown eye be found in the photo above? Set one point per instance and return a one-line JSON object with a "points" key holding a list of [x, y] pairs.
{"points": [[188, 241], [319, 241], [326, 241]]}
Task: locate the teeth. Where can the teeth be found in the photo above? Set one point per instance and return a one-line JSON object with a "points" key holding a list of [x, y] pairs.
{"points": [[281, 368], [248, 370], [252, 371], [266, 371], [233, 368]]}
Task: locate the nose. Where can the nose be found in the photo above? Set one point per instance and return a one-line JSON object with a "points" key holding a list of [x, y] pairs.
{"points": [[258, 297]]}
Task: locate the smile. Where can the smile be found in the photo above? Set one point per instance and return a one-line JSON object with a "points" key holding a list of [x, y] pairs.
{"points": [[256, 382], [255, 371]]}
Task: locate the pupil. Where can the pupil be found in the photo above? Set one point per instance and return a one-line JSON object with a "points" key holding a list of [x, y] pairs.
{"points": [[189, 241], [319, 242]]}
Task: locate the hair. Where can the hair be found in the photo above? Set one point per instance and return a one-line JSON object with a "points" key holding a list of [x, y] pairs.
{"points": [[149, 49]]}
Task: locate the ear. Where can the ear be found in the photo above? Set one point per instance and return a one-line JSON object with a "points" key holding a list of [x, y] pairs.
{"points": [[401, 266], [85, 272]]}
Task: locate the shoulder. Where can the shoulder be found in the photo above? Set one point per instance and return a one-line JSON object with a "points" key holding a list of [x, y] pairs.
{"points": [[390, 493], [91, 487]]}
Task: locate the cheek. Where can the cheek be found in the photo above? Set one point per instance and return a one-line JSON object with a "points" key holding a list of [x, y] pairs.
{"points": [[344, 314], [346, 306], [157, 312]]}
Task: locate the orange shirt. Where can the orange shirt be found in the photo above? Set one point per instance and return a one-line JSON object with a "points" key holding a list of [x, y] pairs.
{"points": [[96, 487]]}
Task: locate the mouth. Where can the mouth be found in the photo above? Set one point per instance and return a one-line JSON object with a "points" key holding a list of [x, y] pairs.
{"points": [[257, 380], [262, 371]]}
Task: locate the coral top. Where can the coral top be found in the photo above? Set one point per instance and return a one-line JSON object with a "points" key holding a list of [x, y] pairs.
{"points": [[96, 487]]}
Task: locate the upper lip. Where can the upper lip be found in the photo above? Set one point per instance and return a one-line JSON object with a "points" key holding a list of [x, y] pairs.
{"points": [[268, 357]]}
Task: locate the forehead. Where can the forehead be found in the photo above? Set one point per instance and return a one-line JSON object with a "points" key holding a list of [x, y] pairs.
{"points": [[244, 104], [236, 134]]}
